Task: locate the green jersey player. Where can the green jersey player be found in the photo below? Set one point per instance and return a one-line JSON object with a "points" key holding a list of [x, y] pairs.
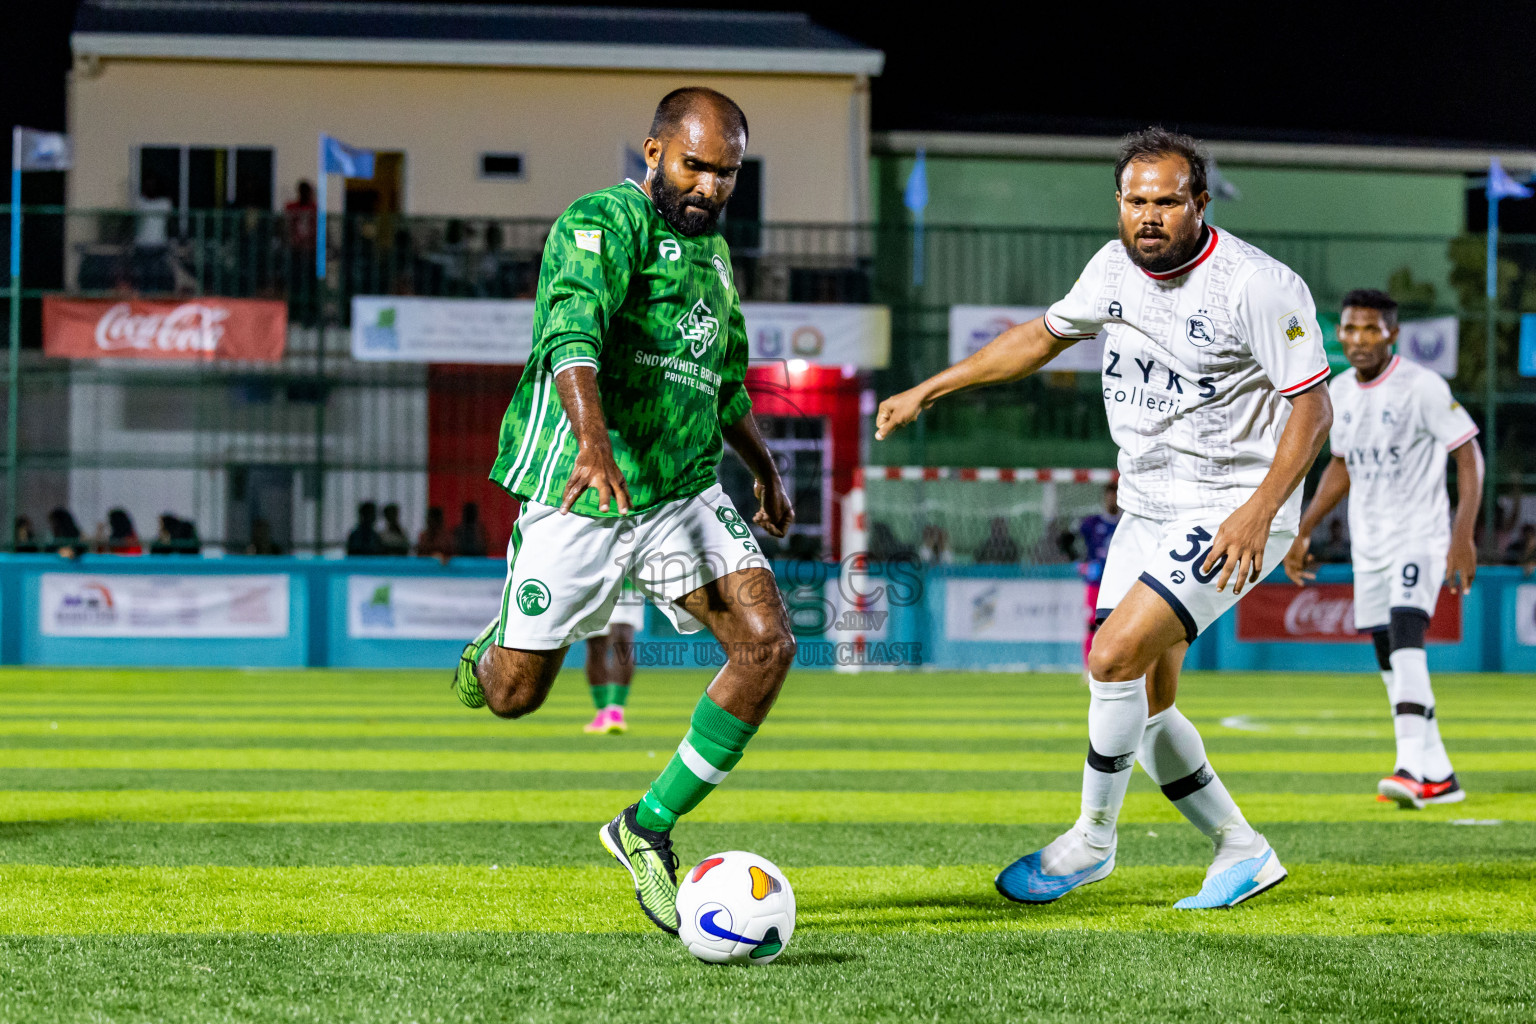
{"points": [[612, 441]]}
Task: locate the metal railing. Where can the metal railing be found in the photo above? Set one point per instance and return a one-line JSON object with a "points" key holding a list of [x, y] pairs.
{"points": [[335, 432]]}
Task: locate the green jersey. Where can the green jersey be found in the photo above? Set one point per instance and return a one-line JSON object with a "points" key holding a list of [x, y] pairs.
{"points": [[657, 315]]}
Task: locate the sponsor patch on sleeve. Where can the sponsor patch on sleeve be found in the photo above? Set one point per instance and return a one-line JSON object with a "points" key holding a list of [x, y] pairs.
{"points": [[1295, 328], [592, 241]]}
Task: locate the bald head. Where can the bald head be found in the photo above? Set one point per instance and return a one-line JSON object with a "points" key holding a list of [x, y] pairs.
{"points": [[697, 143], [679, 105]]}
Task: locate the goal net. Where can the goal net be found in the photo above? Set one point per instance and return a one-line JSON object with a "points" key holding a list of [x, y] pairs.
{"points": [[991, 515]]}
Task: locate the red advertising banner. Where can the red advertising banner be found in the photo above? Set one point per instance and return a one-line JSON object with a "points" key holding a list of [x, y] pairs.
{"points": [[200, 328], [1325, 612]]}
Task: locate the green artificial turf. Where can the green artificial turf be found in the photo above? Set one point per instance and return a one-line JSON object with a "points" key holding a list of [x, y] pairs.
{"points": [[985, 978], [334, 846]]}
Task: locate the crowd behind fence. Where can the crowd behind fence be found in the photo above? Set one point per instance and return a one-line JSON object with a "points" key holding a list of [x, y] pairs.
{"points": [[336, 433]]}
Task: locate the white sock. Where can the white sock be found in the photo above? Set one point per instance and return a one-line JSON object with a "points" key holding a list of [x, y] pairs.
{"points": [[1411, 700], [1173, 754], [1117, 714], [1437, 763]]}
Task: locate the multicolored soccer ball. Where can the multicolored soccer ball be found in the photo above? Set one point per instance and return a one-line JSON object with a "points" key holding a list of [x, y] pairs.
{"points": [[735, 908]]}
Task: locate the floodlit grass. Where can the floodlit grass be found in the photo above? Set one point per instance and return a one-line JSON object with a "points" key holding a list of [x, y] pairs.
{"points": [[332, 846], [1319, 899]]}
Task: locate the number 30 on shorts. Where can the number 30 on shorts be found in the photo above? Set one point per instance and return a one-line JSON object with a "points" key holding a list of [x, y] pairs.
{"points": [[1200, 542]]}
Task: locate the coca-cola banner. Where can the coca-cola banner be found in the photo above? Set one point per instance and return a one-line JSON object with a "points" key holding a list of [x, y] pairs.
{"points": [[201, 328], [1325, 612]]}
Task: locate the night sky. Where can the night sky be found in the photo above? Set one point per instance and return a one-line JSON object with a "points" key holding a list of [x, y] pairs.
{"points": [[1459, 73]]}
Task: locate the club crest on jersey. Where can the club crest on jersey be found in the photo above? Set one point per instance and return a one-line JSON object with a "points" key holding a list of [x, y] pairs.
{"points": [[1200, 330], [592, 241], [723, 271], [670, 249], [1295, 330], [699, 327]]}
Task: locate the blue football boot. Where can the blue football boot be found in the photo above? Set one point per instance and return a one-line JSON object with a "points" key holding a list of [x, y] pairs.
{"points": [[1229, 883], [1026, 879]]}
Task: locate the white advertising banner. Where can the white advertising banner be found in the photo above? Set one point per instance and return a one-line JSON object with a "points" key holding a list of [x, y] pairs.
{"points": [[859, 607], [1525, 614], [163, 606], [412, 329], [1431, 343], [825, 333], [972, 327], [1014, 611], [420, 608]]}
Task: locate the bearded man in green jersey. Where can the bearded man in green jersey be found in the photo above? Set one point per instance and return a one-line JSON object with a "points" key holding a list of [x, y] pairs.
{"points": [[611, 441]]}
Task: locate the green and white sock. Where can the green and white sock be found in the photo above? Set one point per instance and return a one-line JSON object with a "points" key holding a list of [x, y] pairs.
{"points": [[715, 742], [599, 694], [618, 693], [484, 639]]}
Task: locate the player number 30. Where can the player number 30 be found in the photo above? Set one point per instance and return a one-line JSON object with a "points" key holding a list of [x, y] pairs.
{"points": [[1199, 546]]}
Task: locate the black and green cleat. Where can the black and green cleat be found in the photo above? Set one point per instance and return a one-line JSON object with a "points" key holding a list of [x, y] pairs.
{"points": [[651, 863], [465, 686]]}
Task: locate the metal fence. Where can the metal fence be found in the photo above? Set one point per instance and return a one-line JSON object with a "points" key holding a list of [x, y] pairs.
{"points": [[316, 433]]}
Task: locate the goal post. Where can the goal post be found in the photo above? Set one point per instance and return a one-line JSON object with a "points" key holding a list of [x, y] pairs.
{"points": [[966, 515]]}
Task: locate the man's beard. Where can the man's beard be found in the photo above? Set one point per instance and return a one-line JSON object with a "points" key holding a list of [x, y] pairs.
{"points": [[1177, 254], [690, 215]]}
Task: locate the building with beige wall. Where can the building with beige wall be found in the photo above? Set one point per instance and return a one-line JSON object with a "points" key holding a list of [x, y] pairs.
{"points": [[243, 91], [478, 115]]}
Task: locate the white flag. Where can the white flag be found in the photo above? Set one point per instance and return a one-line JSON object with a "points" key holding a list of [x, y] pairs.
{"points": [[42, 151]]}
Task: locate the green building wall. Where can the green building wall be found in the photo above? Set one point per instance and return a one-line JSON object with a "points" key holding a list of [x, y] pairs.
{"points": [[1340, 229], [1015, 230]]}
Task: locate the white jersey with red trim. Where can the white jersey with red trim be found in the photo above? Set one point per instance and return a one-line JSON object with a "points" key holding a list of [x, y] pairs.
{"points": [[1393, 433], [1198, 363]]}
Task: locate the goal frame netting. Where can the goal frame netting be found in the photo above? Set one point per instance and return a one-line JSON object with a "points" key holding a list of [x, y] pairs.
{"points": [[859, 512]]}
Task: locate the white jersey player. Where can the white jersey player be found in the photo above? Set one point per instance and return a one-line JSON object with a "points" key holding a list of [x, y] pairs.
{"points": [[1394, 422], [1211, 374]]}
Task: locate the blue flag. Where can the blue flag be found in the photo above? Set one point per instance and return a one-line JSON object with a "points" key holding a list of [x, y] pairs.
{"points": [[336, 157], [916, 195], [41, 151], [1502, 186], [916, 199]]}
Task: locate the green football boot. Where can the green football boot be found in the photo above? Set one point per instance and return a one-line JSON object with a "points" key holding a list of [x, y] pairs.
{"points": [[648, 856], [465, 685]]}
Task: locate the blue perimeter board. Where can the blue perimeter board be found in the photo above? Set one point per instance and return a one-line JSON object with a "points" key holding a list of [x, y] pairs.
{"points": [[913, 636]]}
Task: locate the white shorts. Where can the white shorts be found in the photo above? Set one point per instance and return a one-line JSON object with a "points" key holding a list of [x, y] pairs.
{"points": [[630, 611], [1167, 558], [1411, 580], [565, 572]]}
